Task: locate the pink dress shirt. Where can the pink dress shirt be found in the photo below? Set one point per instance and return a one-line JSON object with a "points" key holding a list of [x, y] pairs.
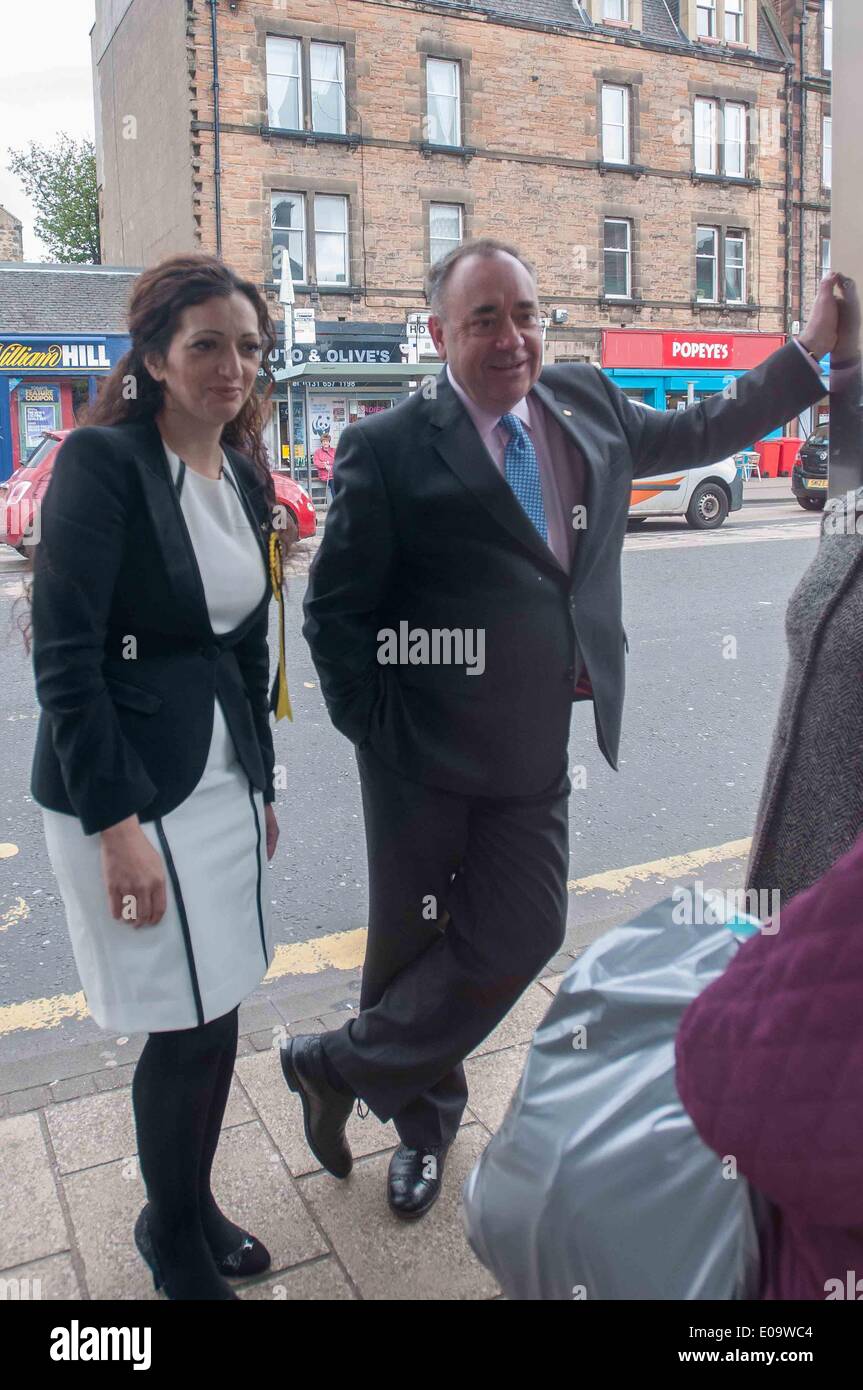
{"points": [[561, 467]]}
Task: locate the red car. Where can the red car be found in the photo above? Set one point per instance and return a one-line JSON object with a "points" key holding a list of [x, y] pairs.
{"points": [[26, 488]]}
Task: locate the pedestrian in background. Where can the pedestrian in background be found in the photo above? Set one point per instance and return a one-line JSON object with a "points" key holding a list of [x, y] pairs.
{"points": [[324, 461], [154, 755]]}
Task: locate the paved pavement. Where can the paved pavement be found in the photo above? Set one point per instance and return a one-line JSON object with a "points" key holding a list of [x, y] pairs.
{"points": [[71, 1187]]}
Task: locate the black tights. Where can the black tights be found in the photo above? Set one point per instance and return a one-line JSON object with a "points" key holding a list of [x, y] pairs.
{"points": [[179, 1094]]}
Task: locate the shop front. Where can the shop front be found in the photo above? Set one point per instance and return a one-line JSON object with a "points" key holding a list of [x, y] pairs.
{"points": [[324, 386], [672, 369], [45, 380]]}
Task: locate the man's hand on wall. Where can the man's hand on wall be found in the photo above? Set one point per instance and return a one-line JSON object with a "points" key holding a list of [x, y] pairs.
{"points": [[830, 315], [848, 338]]}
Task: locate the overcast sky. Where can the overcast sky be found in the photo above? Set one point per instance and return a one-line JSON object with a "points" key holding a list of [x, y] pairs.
{"points": [[45, 88]]}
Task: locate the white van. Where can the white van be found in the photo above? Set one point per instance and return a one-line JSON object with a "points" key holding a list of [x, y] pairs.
{"points": [[704, 496]]}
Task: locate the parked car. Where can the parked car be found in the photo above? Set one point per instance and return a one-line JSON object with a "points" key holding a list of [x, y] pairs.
{"points": [[704, 496], [21, 495], [23, 492], [298, 503], [809, 472]]}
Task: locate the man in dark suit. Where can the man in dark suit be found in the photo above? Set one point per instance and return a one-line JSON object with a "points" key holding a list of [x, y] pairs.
{"points": [[467, 590]]}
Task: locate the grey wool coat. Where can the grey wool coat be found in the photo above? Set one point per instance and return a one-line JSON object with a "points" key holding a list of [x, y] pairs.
{"points": [[811, 808]]}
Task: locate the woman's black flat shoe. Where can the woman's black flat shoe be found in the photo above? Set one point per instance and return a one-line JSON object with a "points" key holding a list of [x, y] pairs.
{"points": [[147, 1251], [252, 1257]]}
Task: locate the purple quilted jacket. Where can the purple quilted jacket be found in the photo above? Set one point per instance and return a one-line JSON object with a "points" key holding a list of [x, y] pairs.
{"points": [[770, 1067]]}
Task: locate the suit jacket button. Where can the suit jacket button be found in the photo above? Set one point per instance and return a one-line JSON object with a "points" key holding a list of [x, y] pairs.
{"points": [[211, 652], [569, 674]]}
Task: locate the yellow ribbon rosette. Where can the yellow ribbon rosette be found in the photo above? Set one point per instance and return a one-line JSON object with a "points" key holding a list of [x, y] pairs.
{"points": [[282, 704]]}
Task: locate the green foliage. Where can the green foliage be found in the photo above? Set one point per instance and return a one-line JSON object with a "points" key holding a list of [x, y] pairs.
{"points": [[61, 181]]}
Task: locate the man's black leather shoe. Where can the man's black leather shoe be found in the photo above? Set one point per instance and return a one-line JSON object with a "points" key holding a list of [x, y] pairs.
{"points": [[414, 1180], [325, 1109]]}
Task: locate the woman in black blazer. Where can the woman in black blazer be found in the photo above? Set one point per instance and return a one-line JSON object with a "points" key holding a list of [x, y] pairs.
{"points": [[154, 754]]}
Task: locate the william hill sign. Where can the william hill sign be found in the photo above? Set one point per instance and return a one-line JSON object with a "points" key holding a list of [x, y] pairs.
{"points": [[62, 356]]}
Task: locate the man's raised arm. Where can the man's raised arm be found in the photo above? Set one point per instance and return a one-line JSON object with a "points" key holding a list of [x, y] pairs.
{"points": [[756, 403]]}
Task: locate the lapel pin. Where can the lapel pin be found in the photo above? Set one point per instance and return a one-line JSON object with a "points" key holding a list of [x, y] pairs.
{"points": [[567, 412]]}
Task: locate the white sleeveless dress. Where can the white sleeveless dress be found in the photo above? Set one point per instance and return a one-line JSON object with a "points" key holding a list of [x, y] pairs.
{"points": [[213, 945]]}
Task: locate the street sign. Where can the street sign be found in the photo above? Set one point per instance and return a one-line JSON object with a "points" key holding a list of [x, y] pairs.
{"points": [[417, 333], [304, 326]]}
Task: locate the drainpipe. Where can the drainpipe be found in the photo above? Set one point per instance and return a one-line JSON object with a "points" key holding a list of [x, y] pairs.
{"points": [[217, 148], [789, 193], [801, 269]]}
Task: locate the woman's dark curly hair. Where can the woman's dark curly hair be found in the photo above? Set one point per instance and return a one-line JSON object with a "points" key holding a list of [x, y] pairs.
{"points": [[159, 297]]}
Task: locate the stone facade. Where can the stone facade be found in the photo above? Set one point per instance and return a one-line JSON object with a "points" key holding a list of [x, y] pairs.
{"points": [[529, 168], [803, 25], [11, 237]]}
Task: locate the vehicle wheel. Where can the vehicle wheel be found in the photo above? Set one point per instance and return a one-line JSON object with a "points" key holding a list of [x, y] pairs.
{"points": [[708, 508], [812, 504], [292, 528]]}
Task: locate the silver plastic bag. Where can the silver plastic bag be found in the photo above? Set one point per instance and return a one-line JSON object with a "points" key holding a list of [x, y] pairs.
{"points": [[597, 1185]]}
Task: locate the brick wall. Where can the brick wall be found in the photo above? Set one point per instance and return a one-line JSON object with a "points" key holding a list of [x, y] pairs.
{"points": [[531, 119], [810, 222], [11, 237]]}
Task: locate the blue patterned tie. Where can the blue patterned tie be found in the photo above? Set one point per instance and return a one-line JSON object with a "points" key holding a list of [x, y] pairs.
{"points": [[522, 472]]}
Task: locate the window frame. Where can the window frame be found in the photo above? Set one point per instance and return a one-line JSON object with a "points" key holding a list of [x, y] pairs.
{"points": [[455, 64], [826, 152], [710, 7], [622, 18], [743, 108], [827, 36], [825, 242], [740, 25], [340, 49], [438, 203], [708, 227], [737, 234], [719, 137], [617, 251], [305, 43], [346, 235], [713, 104], [281, 195], [273, 39], [308, 199], [625, 125]]}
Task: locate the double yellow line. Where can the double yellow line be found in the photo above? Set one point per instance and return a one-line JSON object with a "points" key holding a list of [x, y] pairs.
{"points": [[344, 950]]}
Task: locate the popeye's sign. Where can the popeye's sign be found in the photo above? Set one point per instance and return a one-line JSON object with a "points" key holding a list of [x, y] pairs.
{"points": [[697, 349], [686, 351]]}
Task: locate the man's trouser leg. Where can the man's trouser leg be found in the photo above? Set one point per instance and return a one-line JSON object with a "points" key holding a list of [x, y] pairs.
{"points": [[430, 997]]}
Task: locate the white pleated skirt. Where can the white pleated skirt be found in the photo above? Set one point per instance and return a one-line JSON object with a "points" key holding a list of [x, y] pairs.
{"points": [[213, 946]]}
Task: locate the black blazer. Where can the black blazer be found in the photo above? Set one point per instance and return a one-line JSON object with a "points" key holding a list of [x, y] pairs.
{"points": [[120, 735], [425, 529]]}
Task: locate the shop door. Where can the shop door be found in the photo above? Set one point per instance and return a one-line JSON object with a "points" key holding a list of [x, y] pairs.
{"points": [[679, 400], [38, 411]]}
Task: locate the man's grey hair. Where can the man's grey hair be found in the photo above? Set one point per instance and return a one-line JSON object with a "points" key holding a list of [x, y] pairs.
{"points": [[436, 280]]}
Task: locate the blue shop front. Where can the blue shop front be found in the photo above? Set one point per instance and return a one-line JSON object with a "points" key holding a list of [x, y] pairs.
{"points": [[45, 380]]}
